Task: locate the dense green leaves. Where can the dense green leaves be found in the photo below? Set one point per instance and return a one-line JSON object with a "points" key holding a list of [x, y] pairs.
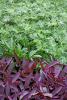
{"points": [[40, 26]]}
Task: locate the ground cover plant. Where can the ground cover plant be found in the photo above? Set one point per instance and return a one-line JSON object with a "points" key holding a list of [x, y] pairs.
{"points": [[25, 80], [35, 28]]}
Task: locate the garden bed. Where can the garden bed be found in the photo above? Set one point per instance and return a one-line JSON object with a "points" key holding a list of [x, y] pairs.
{"points": [[32, 79]]}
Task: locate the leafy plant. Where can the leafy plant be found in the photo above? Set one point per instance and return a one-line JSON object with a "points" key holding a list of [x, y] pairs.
{"points": [[19, 80], [37, 25]]}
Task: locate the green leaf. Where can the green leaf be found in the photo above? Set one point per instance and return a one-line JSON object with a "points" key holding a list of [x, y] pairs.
{"points": [[32, 53]]}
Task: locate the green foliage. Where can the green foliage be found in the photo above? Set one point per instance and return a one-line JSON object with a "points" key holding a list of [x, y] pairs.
{"points": [[34, 28]]}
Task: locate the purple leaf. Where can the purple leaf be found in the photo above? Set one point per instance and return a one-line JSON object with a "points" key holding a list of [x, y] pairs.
{"points": [[16, 77], [7, 89], [56, 91], [52, 64], [65, 69], [24, 93], [57, 71]]}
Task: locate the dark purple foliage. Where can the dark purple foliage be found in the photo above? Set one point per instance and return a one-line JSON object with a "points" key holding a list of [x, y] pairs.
{"points": [[19, 80]]}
